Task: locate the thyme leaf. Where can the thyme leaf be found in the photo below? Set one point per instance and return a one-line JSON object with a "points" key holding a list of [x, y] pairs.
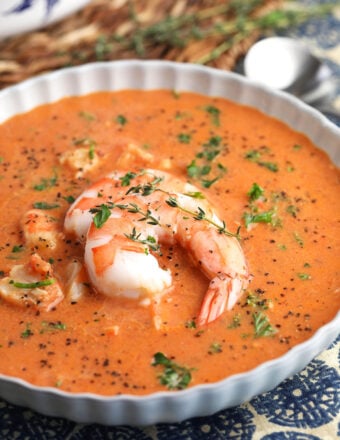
{"points": [[150, 241], [200, 214]]}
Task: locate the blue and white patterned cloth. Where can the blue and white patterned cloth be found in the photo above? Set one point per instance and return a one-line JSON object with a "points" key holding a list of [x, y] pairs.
{"points": [[303, 407]]}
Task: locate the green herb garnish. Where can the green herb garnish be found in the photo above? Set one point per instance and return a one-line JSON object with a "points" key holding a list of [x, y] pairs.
{"points": [[261, 217], [204, 167], [256, 155], [298, 239], [18, 248], [146, 188], [190, 324], [45, 205], [69, 199], [292, 210], [200, 214], [214, 113], [121, 120], [255, 192], [150, 241], [215, 347], [262, 326], [34, 285], [46, 183], [51, 326], [174, 376], [236, 321], [126, 179], [27, 332], [184, 138]]}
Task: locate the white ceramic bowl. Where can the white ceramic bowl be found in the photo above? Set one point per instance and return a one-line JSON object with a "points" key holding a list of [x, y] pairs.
{"points": [[199, 400], [19, 16]]}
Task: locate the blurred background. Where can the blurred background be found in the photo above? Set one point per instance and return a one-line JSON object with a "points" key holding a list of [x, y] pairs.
{"points": [[210, 32]]}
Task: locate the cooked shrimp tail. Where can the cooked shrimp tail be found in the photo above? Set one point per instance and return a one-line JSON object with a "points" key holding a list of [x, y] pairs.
{"points": [[223, 292]]}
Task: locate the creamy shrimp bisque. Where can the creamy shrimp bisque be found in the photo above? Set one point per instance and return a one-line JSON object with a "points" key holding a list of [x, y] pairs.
{"points": [[153, 240]]}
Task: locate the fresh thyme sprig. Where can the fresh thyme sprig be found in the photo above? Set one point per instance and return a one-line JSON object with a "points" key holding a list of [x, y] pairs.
{"points": [[150, 241], [145, 215], [147, 188], [229, 24], [201, 215]]}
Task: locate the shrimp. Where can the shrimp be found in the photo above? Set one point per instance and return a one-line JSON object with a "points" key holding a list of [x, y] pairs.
{"points": [[119, 266], [78, 217], [160, 208], [32, 284], [40, 229]]}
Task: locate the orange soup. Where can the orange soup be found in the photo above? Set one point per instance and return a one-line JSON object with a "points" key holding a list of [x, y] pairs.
{"points": [[242, 234]]}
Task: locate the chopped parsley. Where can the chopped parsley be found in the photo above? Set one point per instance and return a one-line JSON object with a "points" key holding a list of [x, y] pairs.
{"points": [[255, 192], [174, 376], [46, 183], [262, 326], [45, 205], [184, 138], [261, 217], [256, 157], [27, 332], [121, 120], [214, 114]]}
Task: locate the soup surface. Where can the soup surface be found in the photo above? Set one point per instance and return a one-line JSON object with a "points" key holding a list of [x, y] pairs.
{"points": [[276, 192]]}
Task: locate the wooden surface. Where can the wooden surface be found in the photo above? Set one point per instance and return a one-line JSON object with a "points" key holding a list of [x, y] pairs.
{"points": [[211, 32]]}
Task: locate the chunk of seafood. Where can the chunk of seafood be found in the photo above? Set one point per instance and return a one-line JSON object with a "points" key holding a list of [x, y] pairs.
{"points": [[77, 281], [40, 229], [32, 285], [81, 160]]}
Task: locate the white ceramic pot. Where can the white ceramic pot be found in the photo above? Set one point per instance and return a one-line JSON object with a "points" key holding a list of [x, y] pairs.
{"points": [[20, 16]]}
